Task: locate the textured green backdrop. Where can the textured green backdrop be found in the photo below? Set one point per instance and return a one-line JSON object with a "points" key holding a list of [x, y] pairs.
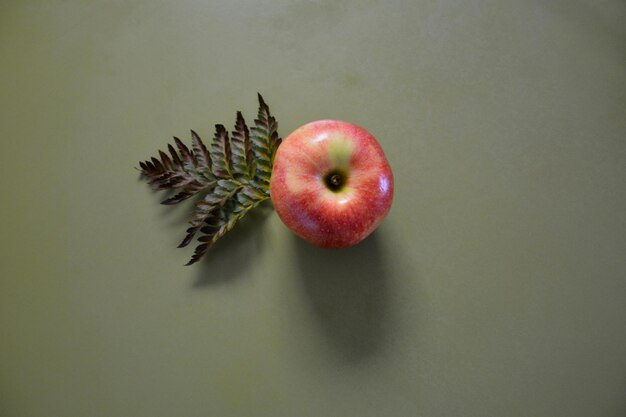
{"points": [[496, 286]]}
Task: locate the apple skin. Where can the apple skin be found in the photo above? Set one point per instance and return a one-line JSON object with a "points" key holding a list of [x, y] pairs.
{"points": [[303, 197]]}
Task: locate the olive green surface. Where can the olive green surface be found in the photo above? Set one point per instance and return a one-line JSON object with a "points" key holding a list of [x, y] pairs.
{"points": [[495, 287]]}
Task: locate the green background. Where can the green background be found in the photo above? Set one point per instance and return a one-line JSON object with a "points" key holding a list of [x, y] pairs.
{"points": [[496, 286]]}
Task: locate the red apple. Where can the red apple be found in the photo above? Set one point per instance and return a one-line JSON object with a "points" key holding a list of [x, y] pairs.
{"points": [[331, 183]]}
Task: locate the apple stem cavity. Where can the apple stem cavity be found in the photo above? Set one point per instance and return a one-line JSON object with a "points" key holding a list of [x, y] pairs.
{"points": [[335, 181]]}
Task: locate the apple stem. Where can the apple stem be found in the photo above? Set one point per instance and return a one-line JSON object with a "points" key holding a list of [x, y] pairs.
{"points": [[335, 180]]}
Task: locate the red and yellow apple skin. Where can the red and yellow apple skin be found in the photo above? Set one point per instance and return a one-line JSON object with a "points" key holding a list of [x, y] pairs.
{"points": [[331, 183]]}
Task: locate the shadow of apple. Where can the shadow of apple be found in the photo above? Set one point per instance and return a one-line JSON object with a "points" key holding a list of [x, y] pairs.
{"points": [[347, 291]]}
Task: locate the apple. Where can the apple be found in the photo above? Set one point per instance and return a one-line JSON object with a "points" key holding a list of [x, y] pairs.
{"points": [[331, 183]]}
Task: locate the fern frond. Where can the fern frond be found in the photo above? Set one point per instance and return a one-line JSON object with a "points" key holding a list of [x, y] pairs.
{"points": [[233, 174]]}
